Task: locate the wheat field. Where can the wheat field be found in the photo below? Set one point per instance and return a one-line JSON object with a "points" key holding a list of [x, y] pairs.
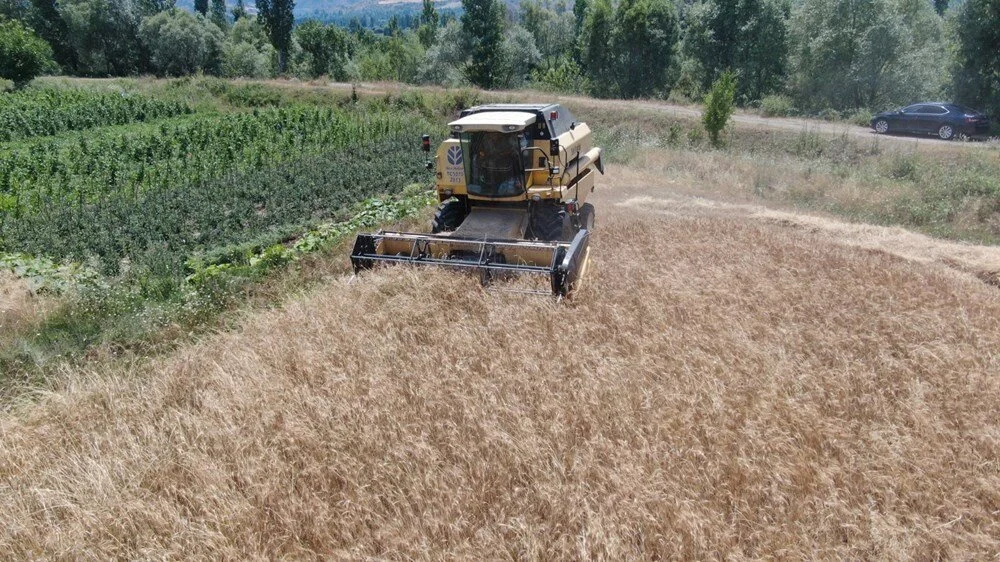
{"points": [[722, 387]]}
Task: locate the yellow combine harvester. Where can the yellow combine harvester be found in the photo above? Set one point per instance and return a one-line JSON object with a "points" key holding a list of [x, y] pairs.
{"points": [[513, 182]]}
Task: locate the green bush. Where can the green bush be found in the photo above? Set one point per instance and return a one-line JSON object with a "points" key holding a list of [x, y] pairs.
{"points": [[861, 117], [243, 60], [719, 106], [252, 95], [829, 115], [565, 77], [777, 106]]}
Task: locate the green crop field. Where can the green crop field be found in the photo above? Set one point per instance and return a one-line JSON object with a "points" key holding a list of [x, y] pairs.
{"points": [[49, 111], [133, 194]]}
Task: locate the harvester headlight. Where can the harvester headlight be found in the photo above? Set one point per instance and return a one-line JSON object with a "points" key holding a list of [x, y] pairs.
{"points": [[510, 128], [456, 128], [447, 192]]}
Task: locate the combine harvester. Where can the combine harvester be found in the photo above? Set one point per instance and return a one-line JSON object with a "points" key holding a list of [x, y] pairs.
{"points": [[513, 182]]}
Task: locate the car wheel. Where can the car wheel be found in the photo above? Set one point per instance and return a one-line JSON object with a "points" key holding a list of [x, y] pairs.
{"points": [[881, 126], [946, 132]]}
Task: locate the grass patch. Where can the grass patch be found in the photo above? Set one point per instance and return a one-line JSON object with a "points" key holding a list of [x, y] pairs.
{"points": [[948, 192]]}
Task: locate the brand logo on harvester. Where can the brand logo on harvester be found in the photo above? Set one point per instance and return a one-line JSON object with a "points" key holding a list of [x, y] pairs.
{"points": [[455, 155]]}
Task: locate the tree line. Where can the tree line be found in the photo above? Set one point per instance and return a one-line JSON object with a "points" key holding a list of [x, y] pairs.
{"points": [[798, 55]]}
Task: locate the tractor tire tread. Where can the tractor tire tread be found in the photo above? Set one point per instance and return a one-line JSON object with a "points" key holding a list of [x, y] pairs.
{"points": [[448, 217]]}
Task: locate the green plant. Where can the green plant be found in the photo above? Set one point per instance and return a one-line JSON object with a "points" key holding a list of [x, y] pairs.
{"points": [[777, 106], [829, 114], [861, 117], [50, 111], [903, 167], [719, 106]]}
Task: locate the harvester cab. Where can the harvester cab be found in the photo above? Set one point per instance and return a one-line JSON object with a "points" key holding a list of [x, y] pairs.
{"points": [[513, 182]]}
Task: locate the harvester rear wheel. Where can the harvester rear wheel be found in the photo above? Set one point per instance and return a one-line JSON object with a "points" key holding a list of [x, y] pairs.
{"points": [[449, 216]]}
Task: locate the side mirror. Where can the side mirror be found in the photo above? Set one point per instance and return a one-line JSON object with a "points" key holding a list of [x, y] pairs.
{"points": [[425, 143], [572, 126], [554, 148]]}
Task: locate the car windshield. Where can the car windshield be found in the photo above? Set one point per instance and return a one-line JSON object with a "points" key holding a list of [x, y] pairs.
{"points": [[493, 168]]}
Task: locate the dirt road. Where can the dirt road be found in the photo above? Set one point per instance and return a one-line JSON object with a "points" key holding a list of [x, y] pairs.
{"points": [[739, 118]]}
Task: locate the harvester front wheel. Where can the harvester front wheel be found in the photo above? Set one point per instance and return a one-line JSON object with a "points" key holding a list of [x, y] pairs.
{"points": [[548, 222], [587, 216], [449, 216]]}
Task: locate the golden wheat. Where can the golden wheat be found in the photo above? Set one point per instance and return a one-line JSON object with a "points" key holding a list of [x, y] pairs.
{"points": [[723, 387]]}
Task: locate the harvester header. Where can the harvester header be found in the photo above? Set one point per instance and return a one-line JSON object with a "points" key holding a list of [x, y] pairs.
{"points": [[513, 180]]}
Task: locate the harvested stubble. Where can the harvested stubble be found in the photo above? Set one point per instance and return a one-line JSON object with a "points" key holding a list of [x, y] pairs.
{"points": [[721, 388]]}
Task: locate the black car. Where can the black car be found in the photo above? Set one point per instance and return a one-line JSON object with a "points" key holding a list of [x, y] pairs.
{"points": [[946, 120]]}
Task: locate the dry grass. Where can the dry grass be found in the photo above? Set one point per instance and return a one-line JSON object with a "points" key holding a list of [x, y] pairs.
{"points": [[20, 308], [677, 184], [723, 387]]}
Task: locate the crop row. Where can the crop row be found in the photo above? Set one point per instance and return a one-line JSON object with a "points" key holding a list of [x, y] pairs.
{"points": [[46, 112], [190, 150], [157, 229]]}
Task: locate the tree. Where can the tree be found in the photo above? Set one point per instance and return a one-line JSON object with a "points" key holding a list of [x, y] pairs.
{"points": [[325, 47], [976, 74], [182, 43], [248, 52], [595, 51], [218, 15], [644, 41], [552, 29], [201, 7], [395, 58], [428, 24], [445, 62], [104, 35], [848, 54], [940, 6], [579, 17], [277, 18], [44, 18], [482, 36], [579, 14], [719, 106], [239, 11], [520, 58], [23, 55], [243, 60], [749, 37]]}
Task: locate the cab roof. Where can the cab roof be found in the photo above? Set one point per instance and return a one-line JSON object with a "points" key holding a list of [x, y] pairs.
{"points": [[529, 107], [500, 121]]}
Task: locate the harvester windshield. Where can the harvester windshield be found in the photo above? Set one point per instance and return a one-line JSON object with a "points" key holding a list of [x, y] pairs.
{"points": [[493, 165]]}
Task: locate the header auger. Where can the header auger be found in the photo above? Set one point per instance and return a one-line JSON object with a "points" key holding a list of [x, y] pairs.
{"points": [[513, 182]]}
